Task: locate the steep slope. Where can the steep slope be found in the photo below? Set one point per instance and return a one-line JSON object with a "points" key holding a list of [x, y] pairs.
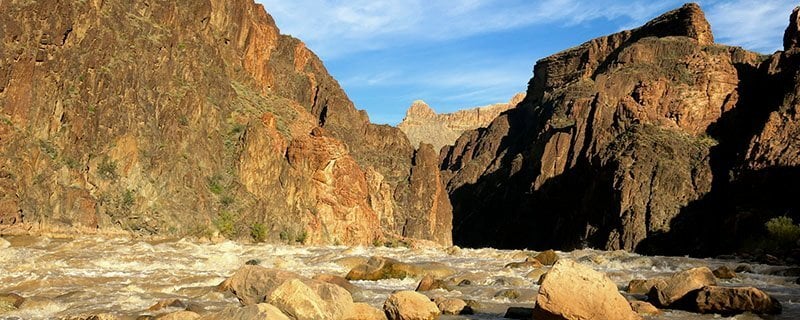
{"points": [[616, 140], [194, 118], [423, 125]]}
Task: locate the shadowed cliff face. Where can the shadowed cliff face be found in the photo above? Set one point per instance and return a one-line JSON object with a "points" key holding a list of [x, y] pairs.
{"points": [[620, 137], [195, 117]]}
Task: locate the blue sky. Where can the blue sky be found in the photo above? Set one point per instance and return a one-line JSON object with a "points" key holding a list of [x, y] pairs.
{"points": [[459, 54]]}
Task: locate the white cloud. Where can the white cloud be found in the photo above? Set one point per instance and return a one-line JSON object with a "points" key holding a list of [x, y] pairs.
{"points": [[336, 28], [752, 24]]}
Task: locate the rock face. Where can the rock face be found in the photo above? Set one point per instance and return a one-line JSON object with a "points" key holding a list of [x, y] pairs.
{"points": [[195, 118], [423, 125], [573, 292], [633, 141]]}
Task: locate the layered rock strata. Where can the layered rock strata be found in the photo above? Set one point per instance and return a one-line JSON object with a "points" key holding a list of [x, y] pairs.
{"points": [[423, 125]]}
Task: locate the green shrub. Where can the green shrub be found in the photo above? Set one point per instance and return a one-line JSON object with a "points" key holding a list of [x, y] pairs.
{"points": [[107, 169], [783, 231], [215, 185], [225, 223], [258, 232], [301, 237], [285, 235]]}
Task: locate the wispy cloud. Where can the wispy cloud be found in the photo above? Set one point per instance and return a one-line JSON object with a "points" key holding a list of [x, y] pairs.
{"points": [[752, 24], [336, 28]]}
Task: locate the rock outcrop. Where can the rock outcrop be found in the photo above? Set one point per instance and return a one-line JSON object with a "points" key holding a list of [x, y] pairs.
{"points": [[423, 125], [633, 141], [195, 118]]}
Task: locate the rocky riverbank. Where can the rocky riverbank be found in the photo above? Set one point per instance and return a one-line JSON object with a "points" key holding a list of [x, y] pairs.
{"points": [[116, 278]]}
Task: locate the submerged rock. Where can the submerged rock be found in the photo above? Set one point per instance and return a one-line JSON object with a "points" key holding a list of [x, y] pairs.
{"points": [[10, 301], [378, 268], [429, 283], [547, 258], [451, 306], [724, 272], [410, 305], [572, 291]]}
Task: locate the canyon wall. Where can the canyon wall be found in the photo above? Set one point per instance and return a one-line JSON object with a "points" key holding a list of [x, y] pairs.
{"points": [[195, 118], [653, 139]]}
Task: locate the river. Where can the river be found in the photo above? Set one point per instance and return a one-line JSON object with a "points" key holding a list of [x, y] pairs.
{"points": [[89, 275]]}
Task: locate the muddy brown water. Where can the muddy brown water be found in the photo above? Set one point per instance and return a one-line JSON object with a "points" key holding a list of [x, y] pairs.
{"points": [[89, 275]]}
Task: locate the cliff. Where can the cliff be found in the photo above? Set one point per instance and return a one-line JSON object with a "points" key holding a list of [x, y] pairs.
{"points": [[195, 118], [653, 139], [423, 125]]}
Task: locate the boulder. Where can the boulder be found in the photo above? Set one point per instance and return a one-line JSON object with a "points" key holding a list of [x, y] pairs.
{"points": [[729, 301], [410, 305], [547, 258], [363, 311], [451, 306], [252, 284], [250, 312], [378, 268], [642, 286], [429, 283], [339, 281], [312, 300], [517, 295], [179, 315], [4, 243], [645, 308], [724, 272], [572, 291], [536, 274], [663, 294]]}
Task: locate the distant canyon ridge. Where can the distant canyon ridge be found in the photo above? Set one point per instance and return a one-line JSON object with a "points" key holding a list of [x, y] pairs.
{"points": [[199, 118], [423, 125]]}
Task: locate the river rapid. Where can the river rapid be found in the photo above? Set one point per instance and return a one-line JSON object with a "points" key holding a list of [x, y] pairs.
{"points": [[90, 275]]}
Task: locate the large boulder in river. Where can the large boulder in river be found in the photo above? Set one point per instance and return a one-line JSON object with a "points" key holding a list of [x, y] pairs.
{"points": [[378, 268], [548, 257], [410, 305], [664, 294], [252, 284], [642, 286], [363, 311], [572, 291], [730, 301], [255, 311], [312, 300]]}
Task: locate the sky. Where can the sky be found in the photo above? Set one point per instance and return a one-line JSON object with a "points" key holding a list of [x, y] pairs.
{"points": [[457, 54]]}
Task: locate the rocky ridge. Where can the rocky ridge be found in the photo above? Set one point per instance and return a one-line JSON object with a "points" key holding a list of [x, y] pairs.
{"points": [[423, 125], [634, 141], [195, 119]]}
